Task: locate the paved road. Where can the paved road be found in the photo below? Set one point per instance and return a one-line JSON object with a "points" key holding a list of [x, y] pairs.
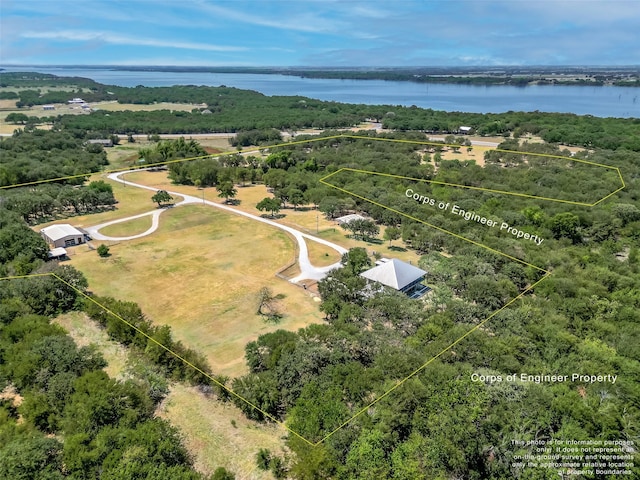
{"points": [[308, 271]]}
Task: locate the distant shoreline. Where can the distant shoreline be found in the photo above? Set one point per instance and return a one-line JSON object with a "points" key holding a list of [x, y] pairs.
{"points": [[625, 76]]}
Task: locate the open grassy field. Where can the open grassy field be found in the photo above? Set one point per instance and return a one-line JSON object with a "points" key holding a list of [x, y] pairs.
{"points": [[85, 331], [304, 219], [200, 272], [213, 440], [123, 155], [476, 154], [128, 228], [320, 255], [9, 106]]}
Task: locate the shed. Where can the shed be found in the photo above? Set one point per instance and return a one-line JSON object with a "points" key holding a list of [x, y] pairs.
{"points": [[105, 142], [62, 235], [57, 252], [465, 130], [398, 275], [349, 218], [48, 107]]}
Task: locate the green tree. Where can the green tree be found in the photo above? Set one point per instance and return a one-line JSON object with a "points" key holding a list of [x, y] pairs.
{"points": [[103, 250], [271, 204], [626, 212], [17, 118], [565, 225], [367, 458], [161, 196], [356, 260], [31, 458], [392, 233], [226, 190], [296, 197], [329, 206]]}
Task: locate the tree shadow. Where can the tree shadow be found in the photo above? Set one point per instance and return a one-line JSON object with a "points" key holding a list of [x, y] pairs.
{"points": [[395, 248], [374, 241]]}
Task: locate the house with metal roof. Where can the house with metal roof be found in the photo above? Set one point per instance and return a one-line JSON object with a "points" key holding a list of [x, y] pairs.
{"points": [[399, 275], [62, 235]]}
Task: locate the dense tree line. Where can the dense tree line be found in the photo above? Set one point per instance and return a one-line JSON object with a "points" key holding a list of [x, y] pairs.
{"points": [[155, 342], [47, 201], [441, 423], [40, 155]]}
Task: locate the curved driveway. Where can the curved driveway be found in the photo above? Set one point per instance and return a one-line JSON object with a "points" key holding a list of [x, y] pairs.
{"points": [[308, 271]]}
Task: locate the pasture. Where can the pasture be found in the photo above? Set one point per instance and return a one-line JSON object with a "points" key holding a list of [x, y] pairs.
{"points": [[200, 273]]}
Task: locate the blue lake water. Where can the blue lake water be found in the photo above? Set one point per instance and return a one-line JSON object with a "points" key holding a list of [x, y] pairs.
{"points": [[605, 101]]}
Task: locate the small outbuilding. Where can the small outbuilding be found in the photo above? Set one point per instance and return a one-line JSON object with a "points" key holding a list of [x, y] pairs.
{"points": [[465, 130], [48, 107], [105, 142], [399, 275], [349, 218], [62, 235], [57, 253]]}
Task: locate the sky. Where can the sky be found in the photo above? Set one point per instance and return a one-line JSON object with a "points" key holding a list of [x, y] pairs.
{"points": [[337, 33]]}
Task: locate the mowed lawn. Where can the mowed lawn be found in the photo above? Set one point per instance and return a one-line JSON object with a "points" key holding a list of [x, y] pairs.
{"points": [[200, 272], [305, 219], [128, 228]]}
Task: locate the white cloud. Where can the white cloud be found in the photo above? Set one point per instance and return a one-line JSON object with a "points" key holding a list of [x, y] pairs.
{"points": [[119, 39], [308, 22]]}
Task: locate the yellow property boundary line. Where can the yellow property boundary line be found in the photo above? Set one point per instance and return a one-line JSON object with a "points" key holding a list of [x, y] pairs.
{"points": [[323, 181]]}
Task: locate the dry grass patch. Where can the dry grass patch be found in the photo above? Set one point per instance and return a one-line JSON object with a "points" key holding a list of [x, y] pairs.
{"points": [[213, 440], [218, 142], [128, 228], [8, 129], [320, 255], [394, 250], [7, 103], [85, 331], [200, 272]]}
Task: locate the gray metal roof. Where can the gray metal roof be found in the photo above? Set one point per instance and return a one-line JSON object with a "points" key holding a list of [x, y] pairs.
{"points": [[394, 273]]}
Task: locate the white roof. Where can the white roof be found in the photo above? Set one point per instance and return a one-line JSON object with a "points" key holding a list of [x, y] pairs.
{"points": [[57, 252], [349, 218], [394, 273], [56, 232], [465, 129]]}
